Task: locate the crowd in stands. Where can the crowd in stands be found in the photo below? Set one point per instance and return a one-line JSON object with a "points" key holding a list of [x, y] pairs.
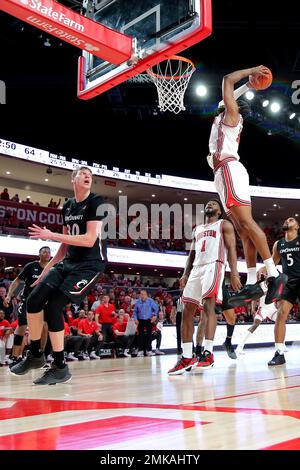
{"points": [[10, 225]]}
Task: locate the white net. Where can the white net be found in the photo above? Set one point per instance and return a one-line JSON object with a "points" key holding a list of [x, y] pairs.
{"points": [[171, 78]]}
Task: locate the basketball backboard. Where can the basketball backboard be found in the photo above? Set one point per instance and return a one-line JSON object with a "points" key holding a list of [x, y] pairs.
{"points": [[159, 28]]}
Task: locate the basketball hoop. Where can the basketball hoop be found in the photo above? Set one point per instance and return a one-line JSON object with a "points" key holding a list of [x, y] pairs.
{"points": [[171, 78]]}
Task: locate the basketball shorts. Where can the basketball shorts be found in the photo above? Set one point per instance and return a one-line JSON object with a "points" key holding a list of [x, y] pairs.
{"points": [[75, 278], [226, 296], [232, 184], [266, 311], [204, 282], [291, 291], [22, 314]]}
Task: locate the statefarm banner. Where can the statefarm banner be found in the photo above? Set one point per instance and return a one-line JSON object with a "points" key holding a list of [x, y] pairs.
{"points": [[69, 26], [30, 214]]}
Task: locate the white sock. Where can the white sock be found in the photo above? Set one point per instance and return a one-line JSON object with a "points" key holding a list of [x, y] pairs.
{"points": [[271, 268], [208, 345], [251, 278], [279, 347], [244, 341], [187, 349]]}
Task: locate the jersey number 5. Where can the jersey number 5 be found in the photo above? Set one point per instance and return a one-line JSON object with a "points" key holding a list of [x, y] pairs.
{"points": [[290, 260]]}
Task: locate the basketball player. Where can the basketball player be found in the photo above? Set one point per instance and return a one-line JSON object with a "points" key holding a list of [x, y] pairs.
{"points": [[286, 250], [230, 318], [213, 242], [264, 311], [29, 275], [232, 184], [68, 277]]}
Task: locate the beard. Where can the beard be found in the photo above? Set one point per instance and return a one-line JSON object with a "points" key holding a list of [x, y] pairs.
{"points": [[285, 228], [211, 212]]}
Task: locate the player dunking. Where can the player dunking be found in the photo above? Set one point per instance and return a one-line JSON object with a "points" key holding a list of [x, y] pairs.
{"points": [[232, 184], [286, 250], [69, 276], [29, 275], [213, 242]]}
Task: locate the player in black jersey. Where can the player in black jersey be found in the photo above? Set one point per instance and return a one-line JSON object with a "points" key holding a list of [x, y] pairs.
{"points": [[68, 277], [286, 250], [29, 274]]}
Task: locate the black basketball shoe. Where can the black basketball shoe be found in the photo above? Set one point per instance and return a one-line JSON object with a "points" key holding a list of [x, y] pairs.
{"points": [[28, 363], [248, 293], [275, 288], [278, 360], [54, 375]]}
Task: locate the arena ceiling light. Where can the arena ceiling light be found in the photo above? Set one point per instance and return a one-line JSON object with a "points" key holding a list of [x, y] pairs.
{"points": [[249, 95], [201, 90], [292, 115], [7, 172], [275, 107], [265, 103]]}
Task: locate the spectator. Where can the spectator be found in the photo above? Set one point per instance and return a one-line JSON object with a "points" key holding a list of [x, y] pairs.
{"points": [[75, 322], [5, 332], [4, 196], [145, 308], [54, 204], [90, 330], [7, 310], [15, 198], [105, 314], [121, 333], [28, 201], [157, 327], [73, 344]]}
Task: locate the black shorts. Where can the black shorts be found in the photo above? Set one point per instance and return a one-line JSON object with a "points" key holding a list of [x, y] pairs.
{"points": [[22, 313], [291, 291], [75, 278], [226, 296]]}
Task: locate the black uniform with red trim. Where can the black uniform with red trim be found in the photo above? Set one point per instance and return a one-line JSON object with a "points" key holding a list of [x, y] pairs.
{"points": [[29, 275], [82, 267], [289, 252]]}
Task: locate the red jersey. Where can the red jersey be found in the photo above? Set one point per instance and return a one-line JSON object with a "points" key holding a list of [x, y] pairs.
{"points": [[105, 313], [88, 327], [121, 327], [14, 324], [4, 324], [67, 329]]}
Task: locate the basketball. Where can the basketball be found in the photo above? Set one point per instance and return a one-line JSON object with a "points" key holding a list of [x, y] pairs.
{"points": [[261, 82]]}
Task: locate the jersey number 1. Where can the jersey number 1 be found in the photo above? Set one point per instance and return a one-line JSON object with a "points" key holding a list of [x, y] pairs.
{"points": [[203, 246]]}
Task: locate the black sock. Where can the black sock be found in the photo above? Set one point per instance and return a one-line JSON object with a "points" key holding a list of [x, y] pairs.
{"points": [[35, 347], [59, 360], [198, 350], [230, 329]]}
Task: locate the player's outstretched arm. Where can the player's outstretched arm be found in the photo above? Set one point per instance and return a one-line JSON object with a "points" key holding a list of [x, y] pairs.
{"points": [[87, 239], [230, 243], [231, 107]]}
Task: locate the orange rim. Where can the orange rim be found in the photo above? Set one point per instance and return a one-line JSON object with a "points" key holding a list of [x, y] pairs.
{"points": [[171, 77]]}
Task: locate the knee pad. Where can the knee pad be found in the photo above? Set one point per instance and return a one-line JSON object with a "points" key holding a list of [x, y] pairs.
{"points": [[38, 298], [18, 339], [54, 311]]}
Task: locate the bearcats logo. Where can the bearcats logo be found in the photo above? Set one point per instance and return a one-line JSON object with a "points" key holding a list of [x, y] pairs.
{"points": [[80, 284]]}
